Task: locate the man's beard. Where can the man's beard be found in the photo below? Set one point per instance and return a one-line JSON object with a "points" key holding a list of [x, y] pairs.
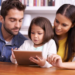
{"points": [[9, 31]]}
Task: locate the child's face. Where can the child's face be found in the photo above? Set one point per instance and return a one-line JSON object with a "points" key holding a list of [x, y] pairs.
{"points": [[62, 25], [37, 35]]}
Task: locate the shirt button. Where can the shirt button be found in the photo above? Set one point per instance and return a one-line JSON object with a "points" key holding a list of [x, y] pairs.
{"points": [[2, 56]]}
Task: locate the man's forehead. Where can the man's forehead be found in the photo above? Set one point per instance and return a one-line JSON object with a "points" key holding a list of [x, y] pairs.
{"points": [[15, 12]]}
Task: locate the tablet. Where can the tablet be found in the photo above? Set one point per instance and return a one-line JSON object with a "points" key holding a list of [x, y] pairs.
{"points": [[22, 57]]}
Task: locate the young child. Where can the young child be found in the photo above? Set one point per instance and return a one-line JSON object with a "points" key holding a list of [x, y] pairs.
{"points": [[40, 34], [64, 27]]}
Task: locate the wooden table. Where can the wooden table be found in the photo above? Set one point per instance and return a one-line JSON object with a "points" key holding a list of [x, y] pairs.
{"points": [[11, 69]]}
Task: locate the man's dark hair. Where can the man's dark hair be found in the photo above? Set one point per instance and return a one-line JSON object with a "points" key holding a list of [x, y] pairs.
{"points": [[11, 4]]}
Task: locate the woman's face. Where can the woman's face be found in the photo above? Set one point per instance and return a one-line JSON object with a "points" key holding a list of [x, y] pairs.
{"points": [[62, 25]]}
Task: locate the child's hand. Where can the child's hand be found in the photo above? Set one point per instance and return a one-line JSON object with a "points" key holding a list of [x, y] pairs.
{"points": [[38, 60], [13, 56], [55, 60]]}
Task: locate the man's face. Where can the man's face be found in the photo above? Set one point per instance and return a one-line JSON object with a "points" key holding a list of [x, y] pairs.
{"points": [[13, 21]]}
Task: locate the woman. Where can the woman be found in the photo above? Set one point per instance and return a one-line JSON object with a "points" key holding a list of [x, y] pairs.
{"points": [[64, 28]]}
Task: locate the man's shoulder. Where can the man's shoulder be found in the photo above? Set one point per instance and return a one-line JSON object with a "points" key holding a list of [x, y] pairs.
{"points": [[0, 25], [22, 37]]}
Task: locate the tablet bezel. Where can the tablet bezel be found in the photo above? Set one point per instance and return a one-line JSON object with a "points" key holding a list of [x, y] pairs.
{"points": [[22, 57]]}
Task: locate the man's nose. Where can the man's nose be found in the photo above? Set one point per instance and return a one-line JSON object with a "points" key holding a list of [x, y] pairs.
{"points": [[17, 24]]}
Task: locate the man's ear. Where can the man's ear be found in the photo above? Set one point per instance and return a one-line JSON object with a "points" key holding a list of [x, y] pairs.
{"points": [[1, 19]]}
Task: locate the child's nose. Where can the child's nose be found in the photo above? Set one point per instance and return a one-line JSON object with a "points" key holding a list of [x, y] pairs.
{"points": [[36, 35]]}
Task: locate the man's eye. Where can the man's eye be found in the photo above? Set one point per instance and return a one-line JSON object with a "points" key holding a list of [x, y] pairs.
{"points": [[12, 20], [20, 20]]}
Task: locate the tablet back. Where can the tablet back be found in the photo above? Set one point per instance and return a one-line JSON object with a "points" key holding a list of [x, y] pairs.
{"points": [[22, 57]]}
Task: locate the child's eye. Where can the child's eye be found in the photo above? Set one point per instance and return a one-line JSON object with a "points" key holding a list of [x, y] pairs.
{"points": [[32, 32], [39, 33]]}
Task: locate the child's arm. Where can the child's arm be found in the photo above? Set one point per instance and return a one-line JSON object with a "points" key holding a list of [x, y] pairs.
{"points": [[51, 46], [52, 49], [12, 57], [56, 61], [22, 47], [39, 61]]}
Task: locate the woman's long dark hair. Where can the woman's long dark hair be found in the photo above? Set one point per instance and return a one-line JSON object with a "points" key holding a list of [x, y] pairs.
{"points": [[69, 11]]}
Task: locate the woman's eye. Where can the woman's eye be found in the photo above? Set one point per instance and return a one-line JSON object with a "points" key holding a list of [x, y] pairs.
{"points": [[57, 21], [64, 25]]}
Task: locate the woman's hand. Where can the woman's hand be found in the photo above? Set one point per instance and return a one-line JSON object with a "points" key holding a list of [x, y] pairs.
{"points": [[38, 60], [55, 60]]}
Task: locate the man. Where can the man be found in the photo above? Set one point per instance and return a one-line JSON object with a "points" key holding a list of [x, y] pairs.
{"points": [[12, 12], [0, 15]]}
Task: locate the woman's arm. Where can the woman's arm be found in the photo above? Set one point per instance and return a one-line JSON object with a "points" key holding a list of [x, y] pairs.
{"points": [[68, 65], [56, 61]]}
